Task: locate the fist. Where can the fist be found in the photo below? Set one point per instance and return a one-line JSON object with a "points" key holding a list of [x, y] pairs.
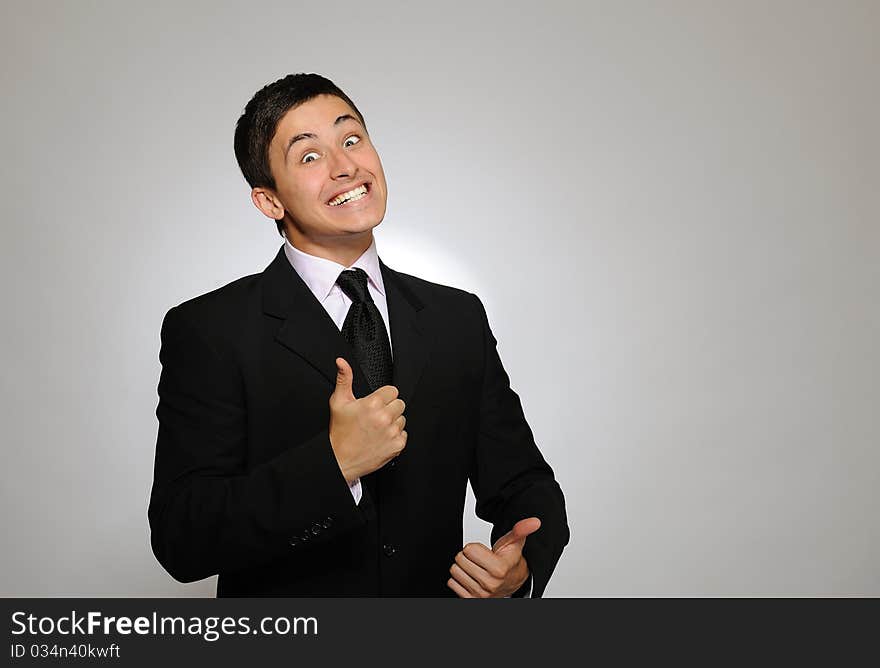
{"points": [[479, 572], [365, 433]]}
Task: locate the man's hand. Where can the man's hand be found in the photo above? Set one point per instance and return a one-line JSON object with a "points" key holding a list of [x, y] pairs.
{"points": [[479, 572], [365, 433]]}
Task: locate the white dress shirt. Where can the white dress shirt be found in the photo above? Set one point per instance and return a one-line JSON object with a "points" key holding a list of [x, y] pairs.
{"points": [[320, 275]]}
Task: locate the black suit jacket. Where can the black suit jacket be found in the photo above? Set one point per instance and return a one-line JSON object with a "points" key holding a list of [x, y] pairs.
{"points": [[246, 483]]}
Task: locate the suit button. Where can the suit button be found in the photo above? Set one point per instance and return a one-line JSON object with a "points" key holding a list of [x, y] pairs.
{"points": [[389, 550], [328, 523], [305, 537], [316, 529], [294, 541]]}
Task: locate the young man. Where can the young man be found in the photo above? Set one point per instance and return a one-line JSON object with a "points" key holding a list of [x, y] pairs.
{"points": [[319, 421]]}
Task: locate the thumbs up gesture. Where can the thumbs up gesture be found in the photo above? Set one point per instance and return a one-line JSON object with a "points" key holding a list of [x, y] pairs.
{"points": [[365, 433], [479, 572]]}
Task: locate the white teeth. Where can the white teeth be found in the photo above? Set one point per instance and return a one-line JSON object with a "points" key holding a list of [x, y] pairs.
{"points": [[351, 195]]}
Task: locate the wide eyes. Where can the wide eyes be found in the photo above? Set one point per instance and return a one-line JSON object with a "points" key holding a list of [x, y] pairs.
{"points": [[311, 156]]}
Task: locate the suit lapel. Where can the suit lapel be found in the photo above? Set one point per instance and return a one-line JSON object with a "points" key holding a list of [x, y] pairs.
{"points": [[309, 331], [409, 339]]}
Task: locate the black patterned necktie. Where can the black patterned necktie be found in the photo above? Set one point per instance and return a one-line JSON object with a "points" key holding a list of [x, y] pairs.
{"points": [[365, 330]]}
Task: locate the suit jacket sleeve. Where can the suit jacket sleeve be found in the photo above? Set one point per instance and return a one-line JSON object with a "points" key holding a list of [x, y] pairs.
{"points": [[510, 478], [210, 510]]}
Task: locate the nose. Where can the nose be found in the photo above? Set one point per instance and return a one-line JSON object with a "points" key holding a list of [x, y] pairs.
{"points": [[341, 164]]}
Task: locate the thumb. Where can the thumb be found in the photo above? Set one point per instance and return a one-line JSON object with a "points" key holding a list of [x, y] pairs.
{"points": [[518, 534], [344, 379]]}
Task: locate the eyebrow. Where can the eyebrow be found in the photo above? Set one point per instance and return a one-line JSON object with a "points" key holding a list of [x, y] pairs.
{"points": [[312, 135]]}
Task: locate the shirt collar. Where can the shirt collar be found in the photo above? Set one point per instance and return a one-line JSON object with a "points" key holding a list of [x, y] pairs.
{"points": [[320, 274]]}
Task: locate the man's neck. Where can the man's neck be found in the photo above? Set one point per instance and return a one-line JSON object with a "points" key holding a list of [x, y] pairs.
{"points": [[343, 250]]}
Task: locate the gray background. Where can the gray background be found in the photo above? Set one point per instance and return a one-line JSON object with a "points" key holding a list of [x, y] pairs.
{"points": [[669, 209]]}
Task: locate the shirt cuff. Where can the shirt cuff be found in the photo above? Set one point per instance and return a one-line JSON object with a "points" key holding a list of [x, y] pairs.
{"points": [[356, 491]]}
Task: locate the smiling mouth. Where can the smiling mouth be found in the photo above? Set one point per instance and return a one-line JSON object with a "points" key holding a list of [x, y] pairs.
{"points": [[352, 195]]}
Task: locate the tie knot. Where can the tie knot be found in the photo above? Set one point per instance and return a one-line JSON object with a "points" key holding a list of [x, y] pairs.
{"points": [[353, 283]]}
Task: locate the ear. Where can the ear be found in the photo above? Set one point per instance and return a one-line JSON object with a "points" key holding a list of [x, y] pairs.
{"points": [[268, 203]]}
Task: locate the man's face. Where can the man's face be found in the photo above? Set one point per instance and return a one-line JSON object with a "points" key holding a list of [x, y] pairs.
{"points": [[327, 173]]}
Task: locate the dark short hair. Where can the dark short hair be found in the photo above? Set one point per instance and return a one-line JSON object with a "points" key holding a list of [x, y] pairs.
{"points": [[256, 127]]}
